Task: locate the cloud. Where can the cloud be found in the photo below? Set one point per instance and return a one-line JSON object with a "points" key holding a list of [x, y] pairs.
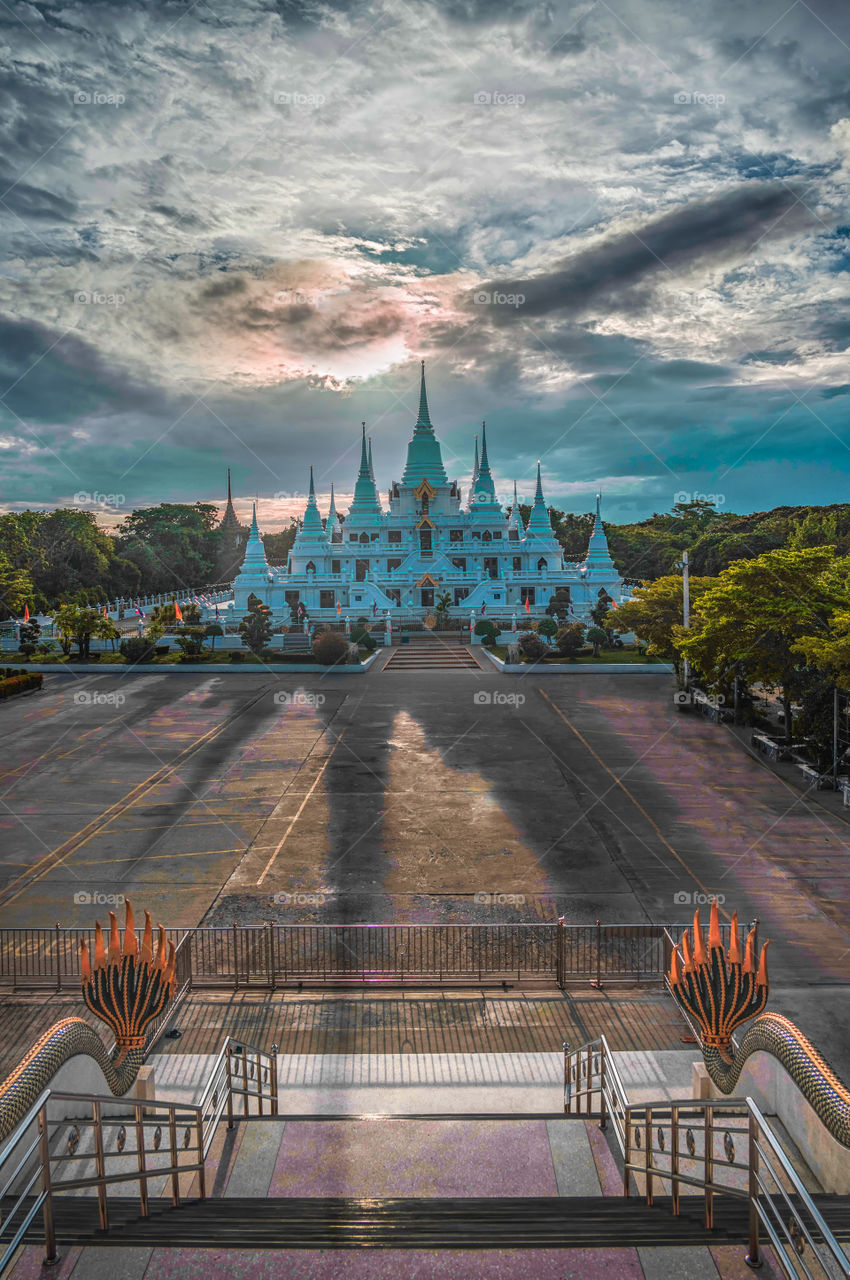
{"points": [[728, 227]]}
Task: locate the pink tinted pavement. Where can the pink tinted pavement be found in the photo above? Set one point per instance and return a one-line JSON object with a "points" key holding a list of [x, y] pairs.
{"points": [[375, 1158]]}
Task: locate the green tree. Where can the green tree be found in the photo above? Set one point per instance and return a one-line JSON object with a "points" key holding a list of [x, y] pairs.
{"points": [[78, 624], [106, 630], [16, 588], [29, 634], [174, 545], [757, 613], [570, 640], [441, 610], [597, 637], [190, 641], [547, 627], [256, 627], [655, 614], [213, 630]]}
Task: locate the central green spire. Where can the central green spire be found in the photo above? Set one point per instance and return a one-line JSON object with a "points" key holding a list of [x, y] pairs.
{"points": [[423, 420], [424, 458]]}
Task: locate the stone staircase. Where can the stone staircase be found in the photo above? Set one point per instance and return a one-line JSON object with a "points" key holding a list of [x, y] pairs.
{"points": [[424, 655]]}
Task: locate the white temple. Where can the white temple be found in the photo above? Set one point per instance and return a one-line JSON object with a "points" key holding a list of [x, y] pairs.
{"points": [[425, 544]]}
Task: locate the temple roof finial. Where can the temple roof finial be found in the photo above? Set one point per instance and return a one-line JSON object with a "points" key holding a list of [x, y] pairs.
{"points": [[424, 419]]}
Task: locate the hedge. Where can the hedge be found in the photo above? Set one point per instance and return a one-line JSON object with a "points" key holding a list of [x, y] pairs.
{"points": [[14, 682]]}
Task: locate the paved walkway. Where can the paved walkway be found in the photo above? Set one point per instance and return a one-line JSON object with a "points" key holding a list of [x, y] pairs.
{"points": [[291, 798]]}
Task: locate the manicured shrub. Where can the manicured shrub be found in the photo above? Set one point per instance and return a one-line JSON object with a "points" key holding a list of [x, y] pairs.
{"points": [[138, 649], [487, 629], [532, 647], [570, 640], [330, 649], [21, 683], [360, 636]]}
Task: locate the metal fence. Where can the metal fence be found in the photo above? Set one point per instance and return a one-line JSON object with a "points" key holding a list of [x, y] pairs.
{"points": [[267, 956]]}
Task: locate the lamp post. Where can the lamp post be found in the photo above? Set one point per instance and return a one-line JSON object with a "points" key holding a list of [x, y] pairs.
{"points": [[686, 614]]}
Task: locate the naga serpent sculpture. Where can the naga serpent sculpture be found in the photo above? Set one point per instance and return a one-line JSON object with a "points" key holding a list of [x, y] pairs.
{"points": [[127, 987], [720, 991]]}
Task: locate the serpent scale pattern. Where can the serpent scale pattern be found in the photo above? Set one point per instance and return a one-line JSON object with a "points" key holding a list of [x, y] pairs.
{"points": [[126, 987], [720, 991]]}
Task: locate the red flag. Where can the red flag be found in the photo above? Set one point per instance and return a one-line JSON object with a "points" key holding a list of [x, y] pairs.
{"points": [[178, 614], [338, 608], [26, 613], [105, 614], [527, 605]]}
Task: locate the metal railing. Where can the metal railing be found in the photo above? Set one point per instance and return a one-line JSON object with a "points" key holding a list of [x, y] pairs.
{"points": [[143, 1141], [272, 955], [240, 1071], [706, 1148], [97, 1153]]}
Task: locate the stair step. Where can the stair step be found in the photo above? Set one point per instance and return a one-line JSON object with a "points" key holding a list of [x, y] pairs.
{"points": [[334, 1223]]}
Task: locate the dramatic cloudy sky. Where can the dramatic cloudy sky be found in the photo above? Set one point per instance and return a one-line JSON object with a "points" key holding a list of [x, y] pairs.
{"points": [[615, 229]]}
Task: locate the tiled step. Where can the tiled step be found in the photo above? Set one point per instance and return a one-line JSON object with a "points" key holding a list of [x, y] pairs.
{"points": [[329, 1223], [430, 656]]}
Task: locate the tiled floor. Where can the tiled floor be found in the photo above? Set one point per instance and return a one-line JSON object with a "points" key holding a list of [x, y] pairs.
{"points": [[724, 1263]]}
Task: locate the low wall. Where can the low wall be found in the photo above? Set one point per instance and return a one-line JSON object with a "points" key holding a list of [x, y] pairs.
{"points": [[771, 1088], [581, 668], [176, 669]]}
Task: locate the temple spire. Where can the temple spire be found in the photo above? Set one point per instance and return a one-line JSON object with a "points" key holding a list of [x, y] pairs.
{"points": [[366, 500], [515, 519], [475, 469], [371, 468], [424, 459], [539, 523], [364, 460], [254, 561], [484, 468], [424, 419], [484, 491], [230, 520]]}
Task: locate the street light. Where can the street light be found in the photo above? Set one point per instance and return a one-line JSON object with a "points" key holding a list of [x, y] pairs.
{"points": [[686, 612]]}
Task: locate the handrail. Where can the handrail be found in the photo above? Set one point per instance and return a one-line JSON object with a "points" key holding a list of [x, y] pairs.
{"points": [[223, 1083], [591, 1070], [33, 1175]]}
